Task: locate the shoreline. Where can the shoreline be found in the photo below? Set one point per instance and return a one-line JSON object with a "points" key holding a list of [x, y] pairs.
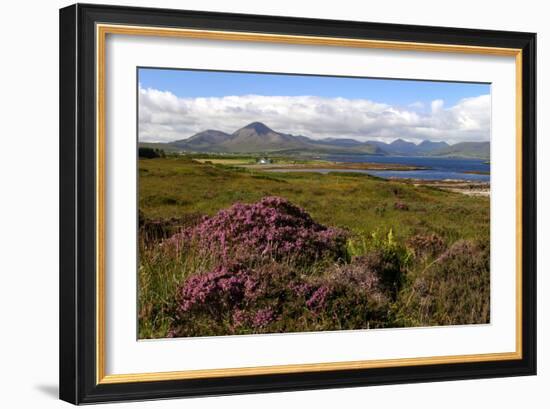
{"points": [[468, 188], [336, 166]]}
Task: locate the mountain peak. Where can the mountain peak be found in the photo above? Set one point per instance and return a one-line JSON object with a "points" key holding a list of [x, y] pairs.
{"points": [[401, 142], [258, 127], [427, 142], [257, 137], [208, 136]]}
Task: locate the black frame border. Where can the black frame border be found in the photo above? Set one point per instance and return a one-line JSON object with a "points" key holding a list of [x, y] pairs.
{"points": [[78, 197]]}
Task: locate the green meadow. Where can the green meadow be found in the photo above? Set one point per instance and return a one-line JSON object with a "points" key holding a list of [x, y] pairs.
{"points": [[172, 187], [438, 240]]}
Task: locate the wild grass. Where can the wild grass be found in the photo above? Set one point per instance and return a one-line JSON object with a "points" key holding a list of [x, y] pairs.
{"points": [[426, 248]]}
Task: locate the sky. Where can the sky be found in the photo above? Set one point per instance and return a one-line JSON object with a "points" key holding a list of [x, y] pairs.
{"points": [[175, 104]]}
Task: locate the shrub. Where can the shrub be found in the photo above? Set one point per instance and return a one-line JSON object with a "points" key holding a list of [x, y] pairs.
{"points": [[150, 153], [272, 227], [356, 297], [274, 298], [154, 231], [389, 260], [426, 246], [231, 299], [400, 206]]}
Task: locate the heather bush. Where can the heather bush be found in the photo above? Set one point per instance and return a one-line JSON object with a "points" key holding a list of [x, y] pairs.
{"points": [[274, 298], [348, 296], [356, 298], [230, 299], [427, 246], [400, 206], [151, 231], [452, 290], [272, 227], [384, 255]]}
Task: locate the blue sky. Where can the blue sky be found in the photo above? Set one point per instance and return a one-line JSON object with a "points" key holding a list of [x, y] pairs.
{"points": [[193, 84], [176, 104]]}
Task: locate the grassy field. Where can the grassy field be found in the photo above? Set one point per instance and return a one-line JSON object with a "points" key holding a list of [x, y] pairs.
{"points": [[398, 221], [171, 187]]}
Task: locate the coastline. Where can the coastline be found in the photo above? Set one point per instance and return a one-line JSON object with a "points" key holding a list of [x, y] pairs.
{"points": [[316, 166], [476, 188], [468, 188]]}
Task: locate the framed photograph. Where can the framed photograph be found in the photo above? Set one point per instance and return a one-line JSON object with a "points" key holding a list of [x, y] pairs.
{"points": [[258, 203]]}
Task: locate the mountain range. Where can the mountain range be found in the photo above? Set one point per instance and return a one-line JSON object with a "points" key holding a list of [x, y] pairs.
{"points": [[259, 138]]}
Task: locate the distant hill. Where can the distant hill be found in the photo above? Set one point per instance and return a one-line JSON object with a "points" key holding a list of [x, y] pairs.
{"points": [[400, 147], [347, 142], [203, 140], [257, 137], [430, 147], [480, 150]]}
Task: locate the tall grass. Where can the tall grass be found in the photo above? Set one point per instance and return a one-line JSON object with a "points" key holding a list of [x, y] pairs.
{"points": [[411, 256]]}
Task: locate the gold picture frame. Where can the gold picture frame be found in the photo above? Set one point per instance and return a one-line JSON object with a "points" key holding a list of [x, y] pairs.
{"points": [[99, 21]]}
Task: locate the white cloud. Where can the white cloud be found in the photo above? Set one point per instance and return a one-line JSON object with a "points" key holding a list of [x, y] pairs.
{"points": [[418, 105], [437, 106], [165, 117]]}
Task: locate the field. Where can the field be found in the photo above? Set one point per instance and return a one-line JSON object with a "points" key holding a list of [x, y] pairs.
{"points": [[381, 253]]}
